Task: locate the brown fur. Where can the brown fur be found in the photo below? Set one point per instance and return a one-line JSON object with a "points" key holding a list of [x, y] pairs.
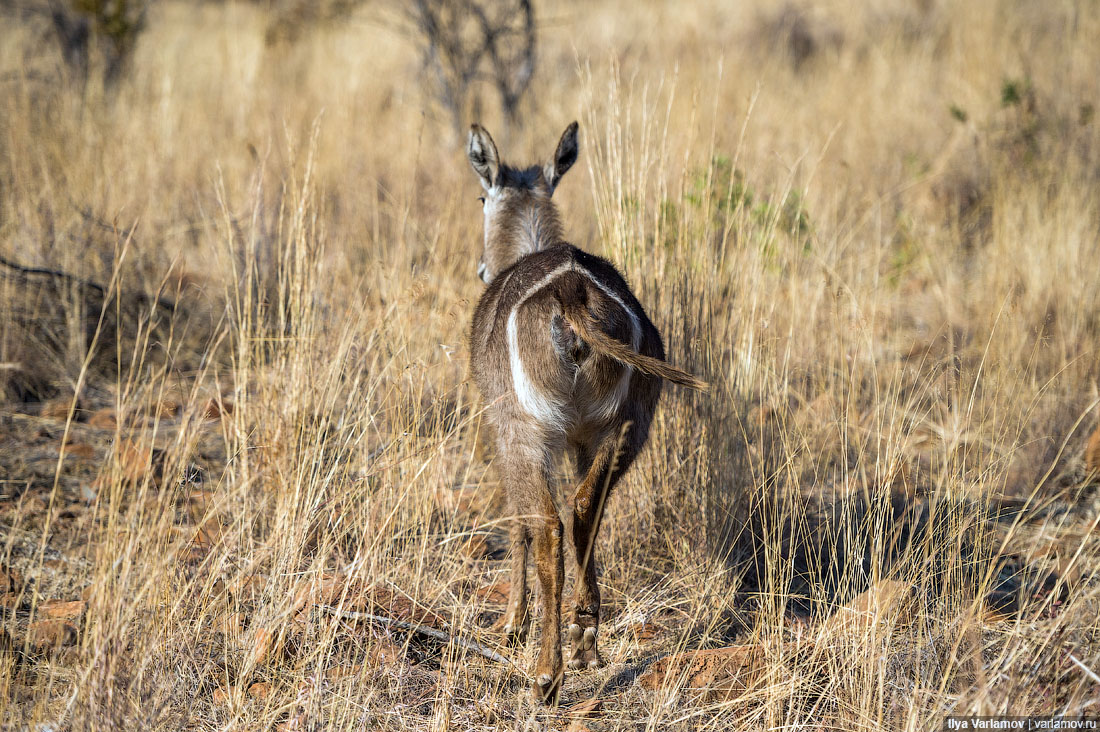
{"points": [[574, 304], [566, 358]]}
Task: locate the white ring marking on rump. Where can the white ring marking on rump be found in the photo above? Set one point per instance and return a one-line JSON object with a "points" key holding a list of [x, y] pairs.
{"points": [[612, 402], [545, 409]]}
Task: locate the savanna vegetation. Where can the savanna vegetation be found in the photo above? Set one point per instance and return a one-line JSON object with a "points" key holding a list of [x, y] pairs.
{"points": [[238, 244]]}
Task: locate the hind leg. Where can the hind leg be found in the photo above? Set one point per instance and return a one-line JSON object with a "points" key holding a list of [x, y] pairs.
{"points": [[602, 469]]}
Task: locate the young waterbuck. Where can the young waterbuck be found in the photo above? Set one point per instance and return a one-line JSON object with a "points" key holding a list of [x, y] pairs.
{"points": [[565, 357]]}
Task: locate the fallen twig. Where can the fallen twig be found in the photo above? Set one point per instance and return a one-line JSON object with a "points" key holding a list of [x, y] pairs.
{"points": [[423, 630], [161, 302]]}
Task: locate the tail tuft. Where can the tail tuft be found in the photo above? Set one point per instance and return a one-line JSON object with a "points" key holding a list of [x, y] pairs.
{"points": [[573, 297]]}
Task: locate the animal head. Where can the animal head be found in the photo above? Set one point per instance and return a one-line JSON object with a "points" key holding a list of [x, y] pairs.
{"points": [[520, 218]]}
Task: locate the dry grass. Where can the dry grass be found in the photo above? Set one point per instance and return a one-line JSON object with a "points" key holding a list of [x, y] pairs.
{"points": [[873, 227]]}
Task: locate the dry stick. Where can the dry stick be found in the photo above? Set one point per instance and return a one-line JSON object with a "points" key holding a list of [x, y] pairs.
{"points": [[51, 273], [1085, 668], [58, 274], [423, 630]]}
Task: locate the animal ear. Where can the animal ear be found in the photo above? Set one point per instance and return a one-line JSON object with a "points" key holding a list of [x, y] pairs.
{"points": [[482, 152], [564, 156]]}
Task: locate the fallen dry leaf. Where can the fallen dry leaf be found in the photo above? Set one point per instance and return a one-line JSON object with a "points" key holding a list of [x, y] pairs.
{"points": [[585, 709], [80, 450], [63, 609], [340, 672], [104, 419], [57, 408], [263, 646], [325, 589], [134, 460], [260, 690], [11, 580], [886, 600], [720, 673], [215, 407], [1092, 452], [46, 635], [494, 594], [644, 631]]}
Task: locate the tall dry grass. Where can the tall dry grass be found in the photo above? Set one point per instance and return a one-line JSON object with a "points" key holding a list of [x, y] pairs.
{"points": [[873, 227]]}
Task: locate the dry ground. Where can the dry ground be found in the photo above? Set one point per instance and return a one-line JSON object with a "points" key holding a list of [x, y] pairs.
{"points": [[236, 392]]}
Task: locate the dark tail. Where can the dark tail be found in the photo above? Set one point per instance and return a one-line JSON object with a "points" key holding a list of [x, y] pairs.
{"points": [[573, 297]]}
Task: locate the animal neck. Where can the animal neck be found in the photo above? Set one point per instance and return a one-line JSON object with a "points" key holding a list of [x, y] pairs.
{"points": [[538, 228], [530, 230]]}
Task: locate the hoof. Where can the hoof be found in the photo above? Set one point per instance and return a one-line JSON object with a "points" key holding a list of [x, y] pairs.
{"points": [[580, 664], [545, 689], [514, 632], [514, 635], [584, 654]]}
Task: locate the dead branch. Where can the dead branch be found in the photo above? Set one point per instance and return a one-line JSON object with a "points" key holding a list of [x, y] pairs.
{"points": [[464, 42], [439, 635], [140, 297]]}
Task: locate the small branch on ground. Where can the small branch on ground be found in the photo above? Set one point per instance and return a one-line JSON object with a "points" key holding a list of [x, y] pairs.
{"points": [[161, 302], [439, 635]]}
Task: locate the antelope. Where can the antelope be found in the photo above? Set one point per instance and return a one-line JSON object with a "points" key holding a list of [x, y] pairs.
{"points": [[565, 358]]}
